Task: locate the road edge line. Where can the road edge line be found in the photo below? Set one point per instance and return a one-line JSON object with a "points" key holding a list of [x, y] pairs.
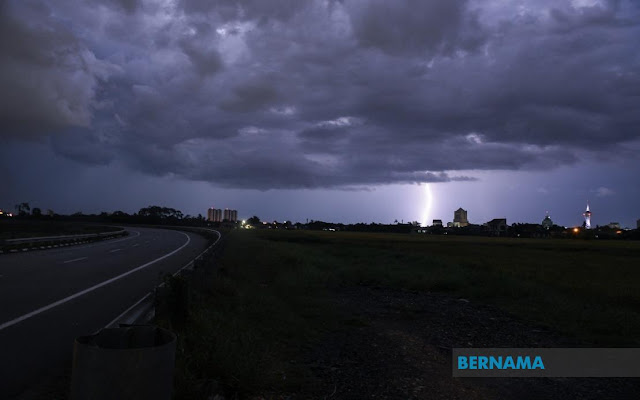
{"points": [[91, 289]]}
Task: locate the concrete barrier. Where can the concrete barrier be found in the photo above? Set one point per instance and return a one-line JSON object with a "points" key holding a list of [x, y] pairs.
{"points": [[134, 362]]}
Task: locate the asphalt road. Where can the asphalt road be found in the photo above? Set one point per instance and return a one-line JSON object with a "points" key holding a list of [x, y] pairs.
{"points": [[50, 297]]}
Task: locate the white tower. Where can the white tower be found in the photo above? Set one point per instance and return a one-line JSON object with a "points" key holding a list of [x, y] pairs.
{"points": [[587, 217]]}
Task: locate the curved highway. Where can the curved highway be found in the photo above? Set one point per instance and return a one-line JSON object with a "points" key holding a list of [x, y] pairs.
{"points": [[48, 298]]}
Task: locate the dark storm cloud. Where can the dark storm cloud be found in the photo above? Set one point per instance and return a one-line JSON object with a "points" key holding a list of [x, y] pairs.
{"points": [[287, 94], [80, 146], [415, 27], [250, 97], [243, 9], [206, 61], [129, 6], [48, 78]]}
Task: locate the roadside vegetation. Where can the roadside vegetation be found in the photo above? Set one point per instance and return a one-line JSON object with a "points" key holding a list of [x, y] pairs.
{"points": [[270, 297]]}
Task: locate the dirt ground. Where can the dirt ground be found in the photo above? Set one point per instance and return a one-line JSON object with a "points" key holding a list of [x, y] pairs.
{"points": [[397, 345]]}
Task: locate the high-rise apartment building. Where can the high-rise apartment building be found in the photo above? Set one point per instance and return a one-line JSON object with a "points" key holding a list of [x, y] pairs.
{"points": [[214, 215], [219, 215], [230, 215]]}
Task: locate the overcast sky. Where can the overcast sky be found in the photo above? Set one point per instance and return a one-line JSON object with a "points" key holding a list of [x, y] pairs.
{"points": [[342, 110]]}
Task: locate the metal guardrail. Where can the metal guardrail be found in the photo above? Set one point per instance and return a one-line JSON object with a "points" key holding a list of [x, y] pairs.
{"points": [[47, 242], [63, 237], [143, 310]]}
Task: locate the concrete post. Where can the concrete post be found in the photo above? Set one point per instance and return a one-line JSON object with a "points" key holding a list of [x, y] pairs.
{"points": [[133, 362]]}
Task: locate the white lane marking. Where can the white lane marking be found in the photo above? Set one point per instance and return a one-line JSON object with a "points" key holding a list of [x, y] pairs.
{"points": [[92, 288], [114, 250], [136, 245], [75, 259]]}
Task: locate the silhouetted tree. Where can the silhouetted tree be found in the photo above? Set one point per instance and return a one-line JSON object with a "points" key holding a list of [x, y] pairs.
{"points": [[23, 209], [156, 214]]}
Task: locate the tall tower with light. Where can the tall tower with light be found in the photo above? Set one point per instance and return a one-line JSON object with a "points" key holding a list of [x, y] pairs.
{"points": [[587, 217]]}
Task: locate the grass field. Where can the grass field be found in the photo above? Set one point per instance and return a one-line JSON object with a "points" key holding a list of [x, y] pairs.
{"points": [[269, 300]]}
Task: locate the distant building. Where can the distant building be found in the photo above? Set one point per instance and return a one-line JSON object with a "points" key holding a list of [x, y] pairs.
{"points": [[460, 218], [497, 227], [437, 222], [614, 225], [587, 217], [230, 215], [547, 223], [214, 215], [638, 224], [219, 215]]}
